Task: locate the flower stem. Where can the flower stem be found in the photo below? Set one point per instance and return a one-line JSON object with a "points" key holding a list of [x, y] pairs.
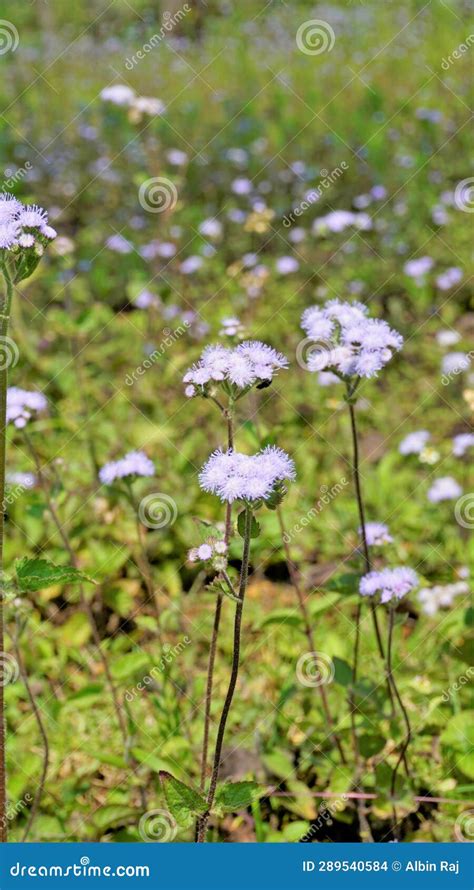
{"points": [[42, 731], [229, 416], [406, 743], [233, 677], [365, 547], [4, 320], [308, 630]]}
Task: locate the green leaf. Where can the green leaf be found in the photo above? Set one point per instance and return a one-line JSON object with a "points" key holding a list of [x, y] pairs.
{"points": [[288, 617], [183, 802], [35, 574], [235, 796], [321, 603], [279, 763], [342, 671], [254, 527], [347, 583]]}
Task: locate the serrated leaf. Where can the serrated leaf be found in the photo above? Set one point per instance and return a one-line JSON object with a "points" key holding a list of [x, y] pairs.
{"points": [[235, 796], [183, 802], [254, 527], [35, 574]]}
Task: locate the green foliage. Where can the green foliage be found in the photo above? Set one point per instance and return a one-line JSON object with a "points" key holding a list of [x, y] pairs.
{"points": [[36, 574]]}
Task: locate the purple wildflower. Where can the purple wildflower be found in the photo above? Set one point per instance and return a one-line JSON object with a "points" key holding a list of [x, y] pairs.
{"points": [[444, 489], [390, 583], [461, 443], [233, 476], [376, 533], [22, 403], [414, 442], [135, 463]]}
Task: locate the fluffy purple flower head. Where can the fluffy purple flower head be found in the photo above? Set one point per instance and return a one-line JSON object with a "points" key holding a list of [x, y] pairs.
{"points": [[461, 443], [24, 227], [135, 463], [249, 363], [350, 343], [22, 404], [444, 489], [389, 583], [376, 533], [234, 476], [414, 442]]}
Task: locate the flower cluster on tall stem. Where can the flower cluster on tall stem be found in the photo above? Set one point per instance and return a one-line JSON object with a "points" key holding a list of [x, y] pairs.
{"points": [[224, 375], [351, 346], [253, 481], [24, 234]]}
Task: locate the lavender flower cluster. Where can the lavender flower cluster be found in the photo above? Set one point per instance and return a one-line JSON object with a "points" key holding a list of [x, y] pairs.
{"points": [[235, 476], [135, 463], [389, 583], [248, 363], [23, 226], [353, 343], [21, 404]]}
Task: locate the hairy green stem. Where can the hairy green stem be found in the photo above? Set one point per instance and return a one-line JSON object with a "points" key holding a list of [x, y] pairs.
{"points": [[407, 740], [229, 416], [4, 320], [233, 677]]}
